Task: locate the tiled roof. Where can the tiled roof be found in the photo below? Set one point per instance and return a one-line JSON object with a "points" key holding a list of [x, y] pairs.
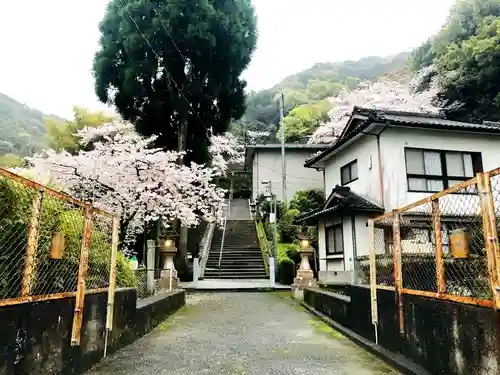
{"points": [[410, 119], [343, 199]]}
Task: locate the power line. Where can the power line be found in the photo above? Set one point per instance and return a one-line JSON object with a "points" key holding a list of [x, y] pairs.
{"points": [[176, 47], [159, 58]]}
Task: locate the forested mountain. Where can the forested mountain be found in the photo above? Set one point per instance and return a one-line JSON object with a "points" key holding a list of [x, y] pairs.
{"points": [[304, 93], [22, 130], [464, 59]]}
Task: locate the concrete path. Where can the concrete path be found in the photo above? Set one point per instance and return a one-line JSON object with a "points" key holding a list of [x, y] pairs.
{"points": [[232, 285], [242, 334], [239, 210]]}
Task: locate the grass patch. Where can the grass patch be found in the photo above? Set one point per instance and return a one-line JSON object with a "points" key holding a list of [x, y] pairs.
{"points": [[325, 329], [173, 319]]}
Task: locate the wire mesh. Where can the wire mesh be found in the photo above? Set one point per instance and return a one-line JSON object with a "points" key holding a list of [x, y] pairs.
{"points": [[99, 252], [441, 242], [161, 281], [384, 256], [41, 234]]}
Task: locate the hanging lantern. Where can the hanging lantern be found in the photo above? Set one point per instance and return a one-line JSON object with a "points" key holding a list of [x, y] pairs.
{"points": [[57, 248]]}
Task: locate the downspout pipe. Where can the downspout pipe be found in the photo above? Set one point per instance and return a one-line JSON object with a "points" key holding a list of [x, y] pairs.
{"points": [[379, 160]]}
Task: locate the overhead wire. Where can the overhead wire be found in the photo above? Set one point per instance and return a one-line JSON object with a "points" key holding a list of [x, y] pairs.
{"points": [[160, 58]]}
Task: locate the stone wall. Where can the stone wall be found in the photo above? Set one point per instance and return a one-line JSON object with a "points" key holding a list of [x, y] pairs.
{"points": [[443, 337], [35, 338]]}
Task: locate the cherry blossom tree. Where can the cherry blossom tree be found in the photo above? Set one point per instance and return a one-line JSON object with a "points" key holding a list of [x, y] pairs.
{"points": [[382, 94], [119, 171], [225, 150]]}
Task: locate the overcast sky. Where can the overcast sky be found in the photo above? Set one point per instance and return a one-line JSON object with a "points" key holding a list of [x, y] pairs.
{"points": [[47, 46]]}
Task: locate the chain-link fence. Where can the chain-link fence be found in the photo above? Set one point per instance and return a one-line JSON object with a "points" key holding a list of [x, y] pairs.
{"points": [[154, 281], [52, 246], [444, 246]]}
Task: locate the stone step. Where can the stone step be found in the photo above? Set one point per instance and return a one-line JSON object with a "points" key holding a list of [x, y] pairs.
{"points": [[255, 266], [254, 256], [233, 277], [230, 262], [236, 275]]}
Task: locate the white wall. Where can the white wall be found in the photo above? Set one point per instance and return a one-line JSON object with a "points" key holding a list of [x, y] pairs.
{"points": [[365, 151], [392, 144], [345, 263], [267, 167]]}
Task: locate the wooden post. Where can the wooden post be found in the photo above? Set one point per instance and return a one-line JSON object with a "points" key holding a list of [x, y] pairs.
{"points": [[112, 274], [373, 278], [82, 275], [438, 237], [29, 264], [398, 274], [490, 235]]}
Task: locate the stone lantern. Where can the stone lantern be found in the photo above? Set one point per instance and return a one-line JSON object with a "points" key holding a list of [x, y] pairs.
{"points": [[305, 275], [167, 248], [253, 208]]}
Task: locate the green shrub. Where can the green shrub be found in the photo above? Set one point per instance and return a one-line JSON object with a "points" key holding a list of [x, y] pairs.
{"points": [[286, 271], [288, 230], [51, 276], [307, 200]]}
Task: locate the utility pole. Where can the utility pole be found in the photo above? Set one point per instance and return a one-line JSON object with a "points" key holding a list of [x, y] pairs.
{"points": [[283, 164]]}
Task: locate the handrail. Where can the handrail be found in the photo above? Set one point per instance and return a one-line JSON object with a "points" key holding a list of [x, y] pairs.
{"points": [[228, 209], [264, 246], [205, 244]]}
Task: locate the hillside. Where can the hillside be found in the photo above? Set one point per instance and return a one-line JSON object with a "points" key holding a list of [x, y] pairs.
{"points": [[311, 86], [22, 130]]}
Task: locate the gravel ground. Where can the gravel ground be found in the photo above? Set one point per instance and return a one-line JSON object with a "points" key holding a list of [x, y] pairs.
{"points": [[242, 334]]}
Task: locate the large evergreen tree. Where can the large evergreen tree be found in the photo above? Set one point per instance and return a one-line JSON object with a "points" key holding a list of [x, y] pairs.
{"points": [[173, 67], [465, 60]]}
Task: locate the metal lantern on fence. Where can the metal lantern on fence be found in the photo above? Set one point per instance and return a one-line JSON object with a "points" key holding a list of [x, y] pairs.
{"points": [[57, 247], [459, 244]]}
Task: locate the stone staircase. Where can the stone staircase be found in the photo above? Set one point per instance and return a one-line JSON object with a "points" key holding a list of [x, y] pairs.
{"points": [[241, 255]]}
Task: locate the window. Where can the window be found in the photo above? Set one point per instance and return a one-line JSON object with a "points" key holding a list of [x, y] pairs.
{"points": [[435, 170], [349, 172], [334, 239]]}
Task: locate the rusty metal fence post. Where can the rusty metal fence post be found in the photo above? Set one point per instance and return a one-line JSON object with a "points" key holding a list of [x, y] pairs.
{"points": [[112, 282], [490, 235], [438, 238], [373, 278], [82, 275], [398, 274], [29, 266]]}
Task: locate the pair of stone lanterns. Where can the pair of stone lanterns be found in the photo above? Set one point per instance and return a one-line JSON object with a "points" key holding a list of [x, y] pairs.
{"points": [[305, 275]]}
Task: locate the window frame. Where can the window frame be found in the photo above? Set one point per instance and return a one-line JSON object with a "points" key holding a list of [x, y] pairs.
{"points": [[334, 227], [444, 178], [349, 167]]}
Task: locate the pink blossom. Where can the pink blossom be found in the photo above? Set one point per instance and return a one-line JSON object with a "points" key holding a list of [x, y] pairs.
{"points": [[121, 174], [383, 94]]}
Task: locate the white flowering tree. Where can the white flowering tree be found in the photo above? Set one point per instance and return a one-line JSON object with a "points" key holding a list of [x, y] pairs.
{"points": [[120, 172], [225, 150], [383, 94]]}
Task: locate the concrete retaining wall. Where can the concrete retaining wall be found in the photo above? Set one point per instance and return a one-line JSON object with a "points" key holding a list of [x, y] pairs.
{"points": [[35, 337], [442, 337]]}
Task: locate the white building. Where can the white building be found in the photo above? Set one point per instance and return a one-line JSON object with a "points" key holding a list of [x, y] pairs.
{"points": [[264, 162], [384, 160]]}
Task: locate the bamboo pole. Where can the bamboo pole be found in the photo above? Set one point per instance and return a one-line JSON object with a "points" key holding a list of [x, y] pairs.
{"points": [[29, 265], [112, 274], [492, 246], [373, 279], [398, 277], [82, 275], [438, 237]]}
